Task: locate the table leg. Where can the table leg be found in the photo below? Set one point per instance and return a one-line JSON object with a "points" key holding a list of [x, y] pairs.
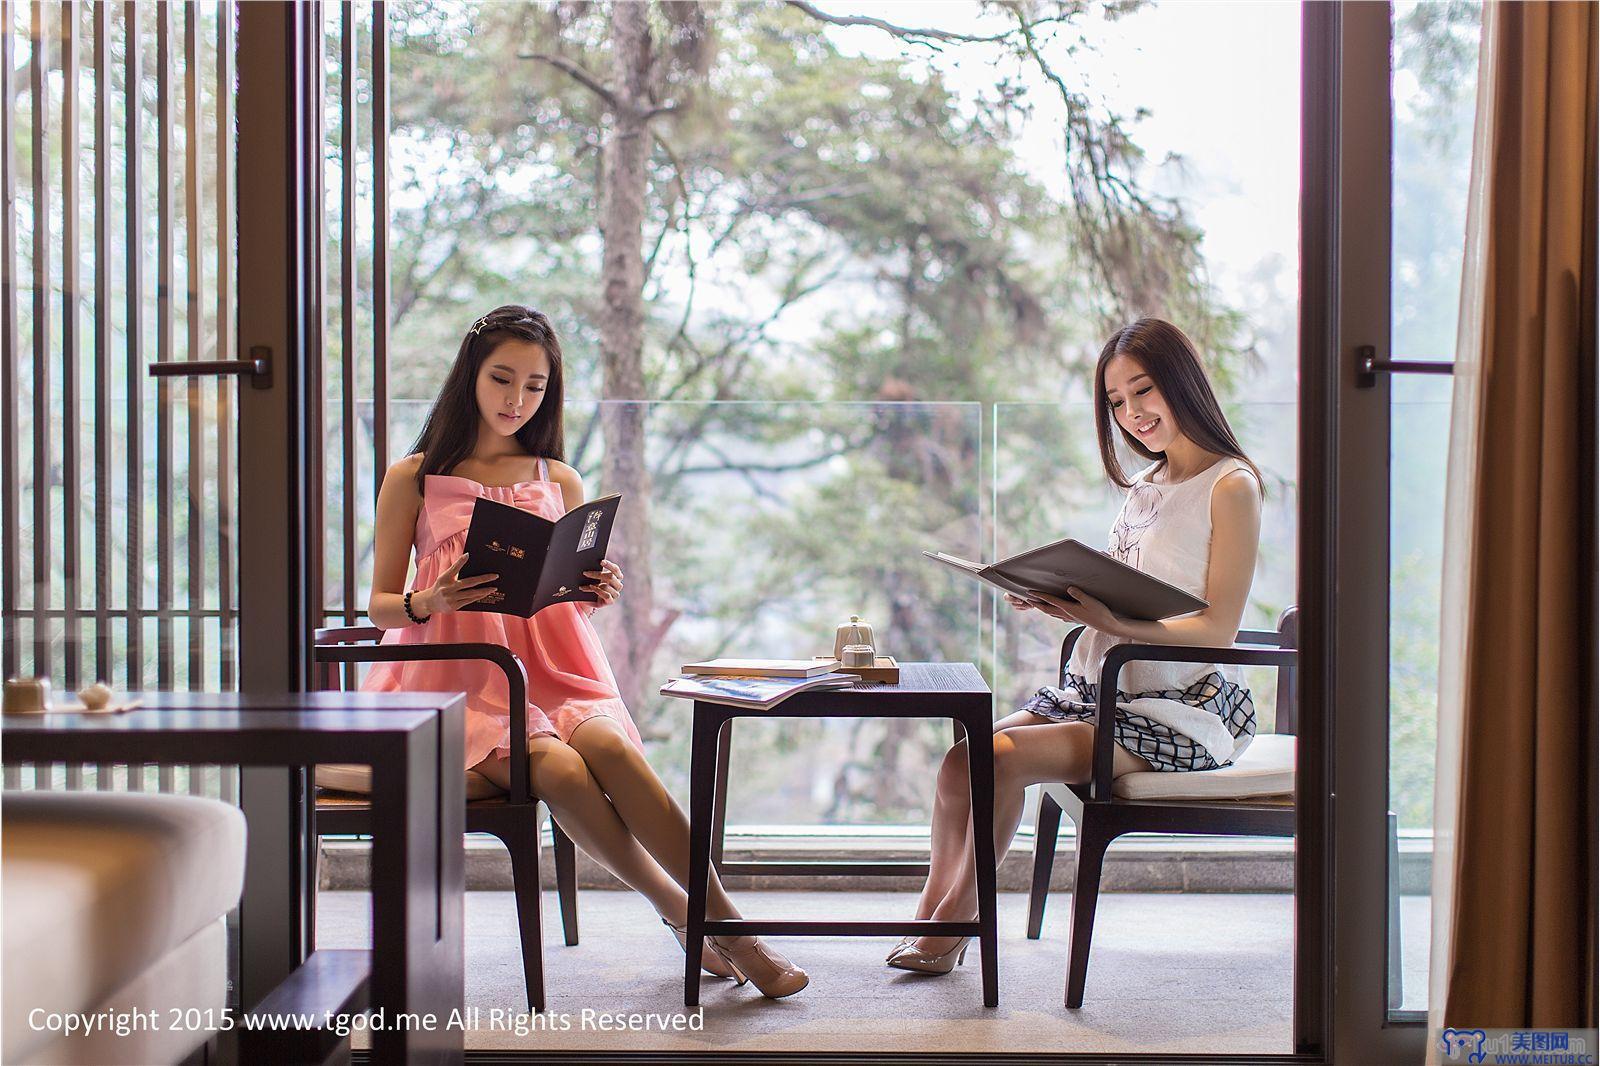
{"points": [[719, 806], [980, 772], [269, 910], [418, 880], [708, 721]]}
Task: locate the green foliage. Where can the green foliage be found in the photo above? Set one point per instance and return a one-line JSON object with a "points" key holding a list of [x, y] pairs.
{"points": [[825, 228], [820, 226]]}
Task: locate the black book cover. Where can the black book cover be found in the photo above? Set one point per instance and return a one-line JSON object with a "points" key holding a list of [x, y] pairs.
{"points": [[540, 562]]}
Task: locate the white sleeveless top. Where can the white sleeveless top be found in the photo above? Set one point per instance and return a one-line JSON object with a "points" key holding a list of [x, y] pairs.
{"points": [[1164, 531]]}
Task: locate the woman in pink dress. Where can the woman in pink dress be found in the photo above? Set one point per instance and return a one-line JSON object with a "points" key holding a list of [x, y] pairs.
{"points": [[495, 430]]}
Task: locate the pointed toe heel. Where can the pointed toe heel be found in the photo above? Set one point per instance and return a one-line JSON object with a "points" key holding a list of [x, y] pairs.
{"points": [[712, 960], [919, 961]]}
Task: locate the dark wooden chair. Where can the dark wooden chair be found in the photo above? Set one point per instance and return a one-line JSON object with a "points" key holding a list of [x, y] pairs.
{"points": [[1101, 814], [513, 816]]}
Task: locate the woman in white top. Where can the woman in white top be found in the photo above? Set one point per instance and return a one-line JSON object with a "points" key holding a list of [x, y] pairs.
{"points": [[1192, 518]]}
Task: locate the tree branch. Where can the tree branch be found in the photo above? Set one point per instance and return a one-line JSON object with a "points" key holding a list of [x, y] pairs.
{"points": [[576, 72], [917, 35]]}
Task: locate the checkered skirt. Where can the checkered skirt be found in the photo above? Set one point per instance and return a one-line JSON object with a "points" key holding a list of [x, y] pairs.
{"points": [[1164, 748]]}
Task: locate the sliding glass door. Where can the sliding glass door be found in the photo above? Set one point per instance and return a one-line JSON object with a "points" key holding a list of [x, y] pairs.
{"points": [[1386, 169], [1434, 83], [120, 531], [153, 438]]}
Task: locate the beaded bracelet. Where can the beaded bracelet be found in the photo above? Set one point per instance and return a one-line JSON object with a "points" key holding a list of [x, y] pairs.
{"points": [[406, 602]]}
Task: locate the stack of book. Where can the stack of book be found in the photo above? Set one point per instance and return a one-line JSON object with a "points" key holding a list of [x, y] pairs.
{"points": [[760, 684]]}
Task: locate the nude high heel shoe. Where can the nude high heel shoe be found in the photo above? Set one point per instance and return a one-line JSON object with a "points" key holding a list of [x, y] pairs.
{"points": [[769, 971], [711, 960], [920, 961]]}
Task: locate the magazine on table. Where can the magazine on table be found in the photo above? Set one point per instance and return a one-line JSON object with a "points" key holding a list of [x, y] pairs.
{"points": [[760, 693], [762, 667], [1055, 567], [540, 562]]}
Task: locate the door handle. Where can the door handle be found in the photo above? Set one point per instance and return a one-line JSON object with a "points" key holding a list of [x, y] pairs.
{"points": [[258, 368], [1369, 366]]}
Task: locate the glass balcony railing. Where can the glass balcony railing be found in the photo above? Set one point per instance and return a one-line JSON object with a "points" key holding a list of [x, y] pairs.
{"points": [[769, 523]]}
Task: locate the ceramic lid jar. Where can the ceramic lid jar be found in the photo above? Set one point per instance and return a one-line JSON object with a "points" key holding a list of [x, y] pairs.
{"points": [[854, 631]]}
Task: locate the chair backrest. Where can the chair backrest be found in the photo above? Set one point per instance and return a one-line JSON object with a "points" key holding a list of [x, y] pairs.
{"points": [[1285, 719], [1287, 635]]}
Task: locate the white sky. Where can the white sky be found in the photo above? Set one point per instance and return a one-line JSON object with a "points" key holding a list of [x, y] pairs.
{"points": [[1221, 83]]}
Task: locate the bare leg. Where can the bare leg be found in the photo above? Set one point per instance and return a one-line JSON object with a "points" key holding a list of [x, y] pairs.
{"points": [[952, 815], [559, 776], [1024, 755], [659, 824], [950, 839], [645, 805]]}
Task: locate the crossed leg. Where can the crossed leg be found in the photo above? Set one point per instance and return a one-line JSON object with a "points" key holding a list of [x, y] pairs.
{"points": [[1028, 749], [950, 838]]}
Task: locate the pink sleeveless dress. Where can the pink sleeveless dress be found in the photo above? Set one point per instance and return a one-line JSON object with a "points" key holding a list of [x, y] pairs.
{"points": [[569, 679]]}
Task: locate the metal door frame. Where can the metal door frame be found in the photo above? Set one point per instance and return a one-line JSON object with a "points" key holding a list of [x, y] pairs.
{"points": [[1340, 924], [277, 147], [1345, 227]]}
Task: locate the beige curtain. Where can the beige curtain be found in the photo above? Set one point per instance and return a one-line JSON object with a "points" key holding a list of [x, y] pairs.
{"points": [[1514, 882]]}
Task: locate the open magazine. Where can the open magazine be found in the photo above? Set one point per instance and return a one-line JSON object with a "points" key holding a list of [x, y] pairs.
{"points": [[1055, 567], [760, 693], [762, 667]]}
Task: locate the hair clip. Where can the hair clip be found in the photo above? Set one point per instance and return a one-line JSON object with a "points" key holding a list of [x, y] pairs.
{"points": [[478, 328]]}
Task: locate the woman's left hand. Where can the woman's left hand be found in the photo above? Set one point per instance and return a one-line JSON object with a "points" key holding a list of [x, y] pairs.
{"points": [[608, 583], [1082, 608]]}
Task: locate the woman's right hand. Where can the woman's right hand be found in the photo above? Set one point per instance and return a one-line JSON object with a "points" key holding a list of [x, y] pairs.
{"points": [[1018, 602], [450, 593]]}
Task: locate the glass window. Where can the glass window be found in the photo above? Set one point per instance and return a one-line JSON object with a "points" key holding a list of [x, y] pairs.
{"points": [[1435, 56], [837, 354]]}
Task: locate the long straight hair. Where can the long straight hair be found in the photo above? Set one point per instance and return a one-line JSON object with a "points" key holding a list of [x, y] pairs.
{"points": [[1163, 351], [451, 431]]}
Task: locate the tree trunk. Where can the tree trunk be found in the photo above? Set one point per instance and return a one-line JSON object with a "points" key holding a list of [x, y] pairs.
{"points": [[631, 632]]}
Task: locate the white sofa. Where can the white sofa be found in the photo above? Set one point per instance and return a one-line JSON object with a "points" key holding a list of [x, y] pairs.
{"points": [[114, 902]]}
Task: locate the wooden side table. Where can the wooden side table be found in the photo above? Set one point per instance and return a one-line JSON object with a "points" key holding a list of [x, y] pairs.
{"points": [[926, 690]]}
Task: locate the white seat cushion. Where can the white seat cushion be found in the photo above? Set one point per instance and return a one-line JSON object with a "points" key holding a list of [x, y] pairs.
{"points": [[356, 777], [99, 886], [1265, 769], [191, 977]]}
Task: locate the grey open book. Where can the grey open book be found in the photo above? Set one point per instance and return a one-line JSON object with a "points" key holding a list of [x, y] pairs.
{"points": [[1052, 568]]}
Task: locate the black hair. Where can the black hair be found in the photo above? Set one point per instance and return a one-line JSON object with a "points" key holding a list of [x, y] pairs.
{"points": [[1164, 352], [451, 431]]}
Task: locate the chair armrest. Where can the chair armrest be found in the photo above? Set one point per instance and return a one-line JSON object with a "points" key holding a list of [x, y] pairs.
{"points": [[347, 635], [504, 658], [1122, 654]]}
